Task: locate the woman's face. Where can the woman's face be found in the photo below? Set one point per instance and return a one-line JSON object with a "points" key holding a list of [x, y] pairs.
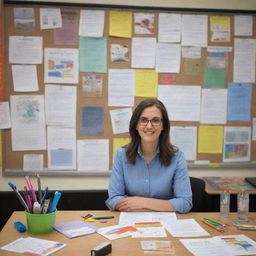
{"points": [[150, 131]]}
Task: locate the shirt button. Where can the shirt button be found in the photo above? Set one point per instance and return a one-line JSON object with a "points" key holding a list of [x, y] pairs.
{"points": [[146, 181]]}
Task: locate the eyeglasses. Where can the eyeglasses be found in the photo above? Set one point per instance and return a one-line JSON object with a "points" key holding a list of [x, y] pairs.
{"points": [[155, 121]]}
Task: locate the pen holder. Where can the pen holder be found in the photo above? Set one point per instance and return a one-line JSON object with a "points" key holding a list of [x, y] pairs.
{"points": [[40, 223]]}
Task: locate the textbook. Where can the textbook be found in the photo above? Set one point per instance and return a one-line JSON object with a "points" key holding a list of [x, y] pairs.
{"points": [[75, 228]]}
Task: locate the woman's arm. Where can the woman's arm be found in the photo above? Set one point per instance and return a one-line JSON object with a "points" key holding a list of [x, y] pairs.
{"points": [[136, 203]]}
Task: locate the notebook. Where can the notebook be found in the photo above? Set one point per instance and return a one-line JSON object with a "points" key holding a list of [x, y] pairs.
{"points": [[251, 180]]}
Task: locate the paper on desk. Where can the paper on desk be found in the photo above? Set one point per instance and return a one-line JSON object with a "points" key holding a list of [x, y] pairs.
{"points": [[186, 228], [204, 247], [149, 229], [230, 245], [135, 217], [116, 231], [33, 246], [75, 228]]}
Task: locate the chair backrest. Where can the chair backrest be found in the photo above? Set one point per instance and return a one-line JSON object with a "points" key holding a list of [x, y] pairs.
{"points": [[198, 194]]}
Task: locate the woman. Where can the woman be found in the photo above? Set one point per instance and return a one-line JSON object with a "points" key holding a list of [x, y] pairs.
{"points": [[149, 174]]}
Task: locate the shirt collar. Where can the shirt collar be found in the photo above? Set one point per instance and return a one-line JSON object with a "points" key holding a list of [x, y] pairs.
{"points": [[141, 154]]}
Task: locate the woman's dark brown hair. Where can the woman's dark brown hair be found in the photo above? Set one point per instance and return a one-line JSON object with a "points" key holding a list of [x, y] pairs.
{"points": [[166, 149]]}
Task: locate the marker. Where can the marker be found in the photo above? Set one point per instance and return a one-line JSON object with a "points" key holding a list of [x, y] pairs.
{"points": [[28, 198], [55, 201], [103, 218], [19, 196], [30, 187]]}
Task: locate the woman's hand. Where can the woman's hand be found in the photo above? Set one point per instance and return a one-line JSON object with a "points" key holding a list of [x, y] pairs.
{"points": [[132, 204], [143, 204]]}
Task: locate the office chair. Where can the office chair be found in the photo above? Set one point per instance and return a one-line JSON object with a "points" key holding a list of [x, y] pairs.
{"points": [[198, 194]]}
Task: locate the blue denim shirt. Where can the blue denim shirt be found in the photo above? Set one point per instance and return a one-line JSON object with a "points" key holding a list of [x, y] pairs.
{"points": [[150, 180]]}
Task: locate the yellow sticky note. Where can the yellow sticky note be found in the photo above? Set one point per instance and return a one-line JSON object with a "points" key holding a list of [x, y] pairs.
{"points": [[119, 142], [146, 83], [223, 21], [120, 24], [210, 139]]}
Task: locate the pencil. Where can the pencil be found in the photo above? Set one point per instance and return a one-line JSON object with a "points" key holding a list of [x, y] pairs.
{"points": [[213, 226], [215, 222]]}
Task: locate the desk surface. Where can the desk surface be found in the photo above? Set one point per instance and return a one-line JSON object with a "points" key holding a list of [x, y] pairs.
{"points": [[120, 247]]}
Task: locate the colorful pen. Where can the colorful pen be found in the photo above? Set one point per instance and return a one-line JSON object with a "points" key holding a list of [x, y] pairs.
{"points": [[28, 198], [30, 187], [102, 218], [19, 196], [55, 201]]}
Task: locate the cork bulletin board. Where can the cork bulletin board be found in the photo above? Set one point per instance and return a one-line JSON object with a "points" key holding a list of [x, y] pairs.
{"points": [[191, 73]]}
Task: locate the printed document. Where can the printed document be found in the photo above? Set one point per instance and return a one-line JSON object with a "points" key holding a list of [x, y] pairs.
{"points": [[186, 228], [24, 78], [182, 102], [61, 145], [121, 87], [169, 28], [60, 105], [186, 140], [143, 52], [26, 49], [93, 155], [120, 119], [91, 23]]}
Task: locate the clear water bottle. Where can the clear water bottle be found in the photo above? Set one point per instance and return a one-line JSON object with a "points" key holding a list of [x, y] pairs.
{"points": [[242, 205], [224, 203]]}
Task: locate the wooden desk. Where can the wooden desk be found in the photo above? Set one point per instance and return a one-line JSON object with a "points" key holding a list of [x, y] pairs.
{"points": [[81, 246]]}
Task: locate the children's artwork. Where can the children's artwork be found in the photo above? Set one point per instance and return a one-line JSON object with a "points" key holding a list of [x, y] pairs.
{"points": [[61, 65], [237, 144], [144, 23], [50, 18], [119, 53], [24, 19]]}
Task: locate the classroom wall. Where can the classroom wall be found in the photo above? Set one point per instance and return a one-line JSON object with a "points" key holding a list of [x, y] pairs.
{"points": [[101, 182]]}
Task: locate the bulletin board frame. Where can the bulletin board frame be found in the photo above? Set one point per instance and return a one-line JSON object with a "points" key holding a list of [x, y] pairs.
{"points": [[12, 161]]}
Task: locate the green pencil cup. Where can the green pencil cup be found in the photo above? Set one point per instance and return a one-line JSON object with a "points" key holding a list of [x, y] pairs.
{"points": [[40, 223]]}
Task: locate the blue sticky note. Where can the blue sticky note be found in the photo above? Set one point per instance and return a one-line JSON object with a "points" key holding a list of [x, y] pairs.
{"points": [[239, 102], [91, 120]]}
